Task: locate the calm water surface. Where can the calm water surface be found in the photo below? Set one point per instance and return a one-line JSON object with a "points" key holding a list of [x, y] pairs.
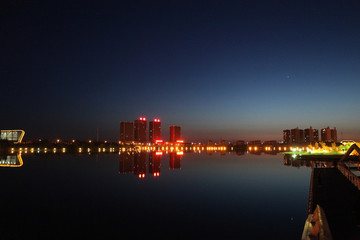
{"points": [[194, 196]]}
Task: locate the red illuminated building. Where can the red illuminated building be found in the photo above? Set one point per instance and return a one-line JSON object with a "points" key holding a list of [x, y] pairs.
{"points": [[155, 130], [175, 133], [140, 129], [126, 131]]}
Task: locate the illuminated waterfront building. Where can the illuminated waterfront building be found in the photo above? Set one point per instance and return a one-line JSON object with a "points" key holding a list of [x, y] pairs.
{"points": [[154, 130], [286, 135], [140, 129], [175, 133], [328, 134], [311, 135], [297, 135], [126, 131]]}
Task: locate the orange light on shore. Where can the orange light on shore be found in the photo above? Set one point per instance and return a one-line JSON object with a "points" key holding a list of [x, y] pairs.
{"points": [[180, 153], [180, 141], [159, 141], [158, 153]]}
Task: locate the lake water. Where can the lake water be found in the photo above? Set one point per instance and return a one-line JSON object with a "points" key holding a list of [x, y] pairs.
{"points": [[136, 196]]}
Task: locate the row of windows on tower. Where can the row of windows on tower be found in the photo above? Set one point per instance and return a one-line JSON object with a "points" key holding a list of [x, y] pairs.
{"points": [[137, 131]]}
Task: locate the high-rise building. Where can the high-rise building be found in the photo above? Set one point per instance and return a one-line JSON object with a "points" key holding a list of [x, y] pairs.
{"points": [[126, 131], [316, 135], [286, 135], [311, 135], [140, 127], [297, 135], [175, 133], [154, 130], [328, 134]]}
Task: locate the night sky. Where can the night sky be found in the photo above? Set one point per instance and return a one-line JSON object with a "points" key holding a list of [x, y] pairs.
{"points": [[219, 69]]}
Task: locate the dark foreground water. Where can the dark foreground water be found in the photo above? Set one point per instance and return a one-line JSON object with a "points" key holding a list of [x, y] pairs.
{"points": [[198, 197]]}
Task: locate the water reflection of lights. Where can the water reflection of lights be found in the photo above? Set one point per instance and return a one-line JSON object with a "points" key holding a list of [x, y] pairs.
{"points": [[12, 161], [168, 147]]}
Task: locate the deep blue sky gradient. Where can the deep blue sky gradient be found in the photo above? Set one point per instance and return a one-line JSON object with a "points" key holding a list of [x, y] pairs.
{"points": [[220, 69]]}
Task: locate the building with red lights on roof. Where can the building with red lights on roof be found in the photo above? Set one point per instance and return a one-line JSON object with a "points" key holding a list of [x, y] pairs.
{"points": [[154, 130], [140, 128]]}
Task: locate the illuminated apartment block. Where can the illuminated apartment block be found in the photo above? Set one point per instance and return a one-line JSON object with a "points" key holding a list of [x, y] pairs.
{"points": [[140, 129], [328, 134], [154, 130], [311, 135]]}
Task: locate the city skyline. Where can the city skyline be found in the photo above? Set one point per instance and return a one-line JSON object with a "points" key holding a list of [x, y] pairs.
{"points": [[235, 70]]}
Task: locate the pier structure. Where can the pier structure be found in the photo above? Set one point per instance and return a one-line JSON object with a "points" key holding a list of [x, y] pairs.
{"points": [[336, 190]]}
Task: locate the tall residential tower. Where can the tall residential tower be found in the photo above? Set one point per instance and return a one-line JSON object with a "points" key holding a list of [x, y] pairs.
{"points": [[154, 130], [140, 129], [126, 131]]}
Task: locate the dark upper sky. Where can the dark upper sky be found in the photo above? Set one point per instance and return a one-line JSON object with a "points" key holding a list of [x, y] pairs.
{"points": [[220, 69]]}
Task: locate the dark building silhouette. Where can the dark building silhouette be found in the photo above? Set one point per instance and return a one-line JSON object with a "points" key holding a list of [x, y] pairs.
{"points": [[255, 143], [240, 142], [270, 143], [154, 130], [140, 130], [175, 133], [126, 131]]}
